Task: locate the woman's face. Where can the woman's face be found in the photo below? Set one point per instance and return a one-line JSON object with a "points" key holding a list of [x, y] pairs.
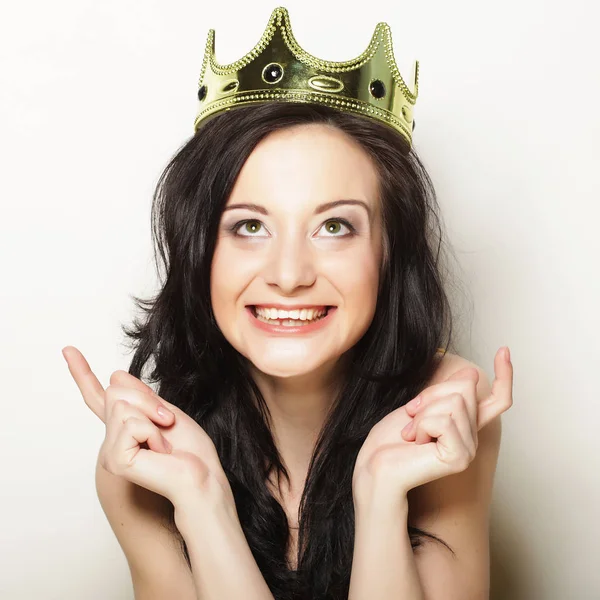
{"points": [[282, 244]]}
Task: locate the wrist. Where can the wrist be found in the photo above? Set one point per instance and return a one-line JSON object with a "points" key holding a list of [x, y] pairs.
{"points": [[198, 507], [374, 497]]}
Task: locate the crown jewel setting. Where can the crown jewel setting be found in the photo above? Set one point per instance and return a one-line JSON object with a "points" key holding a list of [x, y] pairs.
{"points": [[278, 69]]}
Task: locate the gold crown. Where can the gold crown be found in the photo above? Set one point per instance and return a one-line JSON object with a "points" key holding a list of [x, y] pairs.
{"points": [[278, 69]]}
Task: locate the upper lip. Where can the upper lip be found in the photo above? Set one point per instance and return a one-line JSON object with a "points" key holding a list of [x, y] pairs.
{"points": [[290, 306]]}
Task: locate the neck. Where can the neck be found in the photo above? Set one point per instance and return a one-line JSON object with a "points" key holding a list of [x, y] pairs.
{"points": [[298, 406]]}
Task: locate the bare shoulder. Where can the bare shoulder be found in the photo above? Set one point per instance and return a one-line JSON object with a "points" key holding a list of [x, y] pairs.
{"points": [[139, 520]]}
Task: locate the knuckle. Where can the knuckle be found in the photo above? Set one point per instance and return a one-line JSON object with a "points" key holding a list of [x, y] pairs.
{"points": [[130, 423], [120, 406], [462, 462], [446, 420], [457, 400], [112, 390], [116, 376], [471, 384]]}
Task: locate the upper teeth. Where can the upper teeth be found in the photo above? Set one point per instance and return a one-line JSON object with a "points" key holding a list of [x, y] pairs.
{"points": [[304, 314]]}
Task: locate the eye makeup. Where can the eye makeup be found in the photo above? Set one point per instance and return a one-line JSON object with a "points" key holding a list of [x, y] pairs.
{"points": [[235, 227]]}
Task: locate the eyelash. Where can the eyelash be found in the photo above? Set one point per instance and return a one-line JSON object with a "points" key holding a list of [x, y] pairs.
{"points": [[234, 228]]}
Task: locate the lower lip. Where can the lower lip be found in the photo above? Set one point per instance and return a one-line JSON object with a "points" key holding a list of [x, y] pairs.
{"points": [[296, 330]]}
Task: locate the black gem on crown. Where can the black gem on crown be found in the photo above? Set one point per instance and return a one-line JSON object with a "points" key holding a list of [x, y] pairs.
{"points": [[377, 88], [272, 73], [413, 127], [202, 93]]}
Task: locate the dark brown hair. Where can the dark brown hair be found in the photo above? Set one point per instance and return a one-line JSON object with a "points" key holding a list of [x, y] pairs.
{"points": [[197, 369]]}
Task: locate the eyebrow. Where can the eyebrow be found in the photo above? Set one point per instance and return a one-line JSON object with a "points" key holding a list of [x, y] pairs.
{"points": [[320, 209]]}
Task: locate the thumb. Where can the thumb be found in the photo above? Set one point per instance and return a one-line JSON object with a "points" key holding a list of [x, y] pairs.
{"points": [[465, 373]]}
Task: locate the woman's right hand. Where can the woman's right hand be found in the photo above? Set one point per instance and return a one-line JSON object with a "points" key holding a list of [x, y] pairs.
{"points": [[129, 409]]}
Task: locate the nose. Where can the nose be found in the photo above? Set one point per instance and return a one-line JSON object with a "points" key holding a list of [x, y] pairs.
{"points": [[291, 264]]}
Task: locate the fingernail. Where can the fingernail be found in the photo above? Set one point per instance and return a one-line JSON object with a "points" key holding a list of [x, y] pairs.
{"points": [[407, 428], [163, 412], [414, 402], [506, 353]]}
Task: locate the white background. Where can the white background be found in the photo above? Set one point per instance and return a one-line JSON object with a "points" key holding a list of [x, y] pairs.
{"points": [[95, 97]]}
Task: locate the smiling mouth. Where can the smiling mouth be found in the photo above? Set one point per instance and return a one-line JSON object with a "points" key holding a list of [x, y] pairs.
{"points": [[289, 322]]}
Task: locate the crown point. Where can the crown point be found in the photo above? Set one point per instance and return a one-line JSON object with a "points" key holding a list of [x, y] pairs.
{"points": [[279, 13]]}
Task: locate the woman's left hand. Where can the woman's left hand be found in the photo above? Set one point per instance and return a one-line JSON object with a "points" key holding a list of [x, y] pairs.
{"points": [[433, 435]]}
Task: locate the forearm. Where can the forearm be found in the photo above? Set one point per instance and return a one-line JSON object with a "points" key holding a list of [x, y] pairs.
{"points": [[383, 564], [222, 563]]}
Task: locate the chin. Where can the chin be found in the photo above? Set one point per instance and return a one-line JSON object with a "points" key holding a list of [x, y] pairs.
{"points": [[280, 367], [291, 359]]}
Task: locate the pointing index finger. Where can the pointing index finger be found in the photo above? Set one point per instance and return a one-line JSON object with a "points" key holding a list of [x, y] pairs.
{"points": [[501, 396], [503, 380], [89, 386]]}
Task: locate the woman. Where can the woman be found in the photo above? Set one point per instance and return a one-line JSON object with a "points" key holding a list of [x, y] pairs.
{"points": [[302, 309]]}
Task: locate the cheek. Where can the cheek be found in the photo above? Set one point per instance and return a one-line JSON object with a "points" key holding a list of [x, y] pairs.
{"points": [[231, 273], [224, 281], [362, 299], [356, 277], [355, 272]]}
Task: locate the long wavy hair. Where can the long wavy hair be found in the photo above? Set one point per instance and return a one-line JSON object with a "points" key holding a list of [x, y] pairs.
{"points": [[177, 340]]}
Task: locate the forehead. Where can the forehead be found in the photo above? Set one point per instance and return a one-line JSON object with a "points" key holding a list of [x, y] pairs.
{"points": [[310, 163]]}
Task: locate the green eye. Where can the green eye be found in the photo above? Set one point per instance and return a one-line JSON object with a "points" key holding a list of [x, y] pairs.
{"points": [[333, 226], [252, 226]]}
